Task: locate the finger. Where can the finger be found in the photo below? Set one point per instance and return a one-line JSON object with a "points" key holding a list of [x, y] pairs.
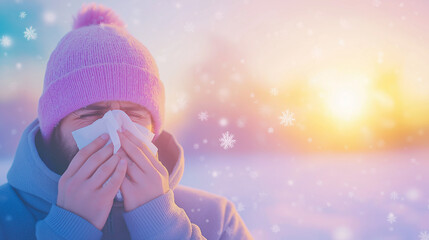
{"points": [[113, 185], [130, 162], [140, 144], [136, 154], [126, 187], [83, 154], [94, 162], [135, 173], [104, 171]]}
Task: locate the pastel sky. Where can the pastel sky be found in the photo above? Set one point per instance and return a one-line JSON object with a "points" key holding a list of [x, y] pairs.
{"points": [[352, 68]]}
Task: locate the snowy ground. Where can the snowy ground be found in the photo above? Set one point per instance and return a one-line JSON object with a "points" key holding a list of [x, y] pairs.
{"points": [[340, 197]]}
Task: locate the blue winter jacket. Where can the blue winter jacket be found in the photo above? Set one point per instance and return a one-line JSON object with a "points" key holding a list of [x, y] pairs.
{"points": [[28, 207]]}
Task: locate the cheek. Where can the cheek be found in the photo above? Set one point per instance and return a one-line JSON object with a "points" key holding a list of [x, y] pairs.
{"points": [[73, 126], [81, 123], [68, 144]]}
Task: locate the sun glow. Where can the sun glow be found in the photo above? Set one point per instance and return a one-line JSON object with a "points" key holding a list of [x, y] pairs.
{"points": [[346, 103], [343, 95]]}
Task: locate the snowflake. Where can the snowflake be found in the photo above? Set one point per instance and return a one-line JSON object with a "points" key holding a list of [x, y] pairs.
{"points": [[424, 235], [22, 15], [229, 231], [180, 103], [240, 207], [30, 33], [189, 27], [223, 122], [5, 41], [254, 174], [227, 140], [275, 228], [218, 15], [342, 232], [274, 91], [203, 116], [376, 3], [316, 52], [394, 195], [241, 123], [49, 17], [287, 118], [391, 218]]}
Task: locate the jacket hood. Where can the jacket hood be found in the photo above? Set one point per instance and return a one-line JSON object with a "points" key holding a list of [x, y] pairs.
{"points": [[38, 185]]}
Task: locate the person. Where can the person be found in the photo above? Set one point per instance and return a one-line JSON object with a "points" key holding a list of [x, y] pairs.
{"points": [[56, 191]]}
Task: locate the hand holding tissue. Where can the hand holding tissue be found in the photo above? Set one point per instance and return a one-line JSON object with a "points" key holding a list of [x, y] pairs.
{"points": [[112, 121]]}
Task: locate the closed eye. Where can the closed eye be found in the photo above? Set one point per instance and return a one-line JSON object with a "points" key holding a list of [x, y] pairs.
{"points": [[102, 113], [136, 115], [91, 114]]}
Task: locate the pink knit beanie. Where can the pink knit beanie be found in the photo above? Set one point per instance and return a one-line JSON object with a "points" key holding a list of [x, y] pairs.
{"points": [[98, 60]]}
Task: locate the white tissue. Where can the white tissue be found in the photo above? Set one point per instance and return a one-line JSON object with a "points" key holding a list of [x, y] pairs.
{"points": [[111, 121]]}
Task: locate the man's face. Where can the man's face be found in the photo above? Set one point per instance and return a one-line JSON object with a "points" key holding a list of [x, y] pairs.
{"points": [[63, 144]]}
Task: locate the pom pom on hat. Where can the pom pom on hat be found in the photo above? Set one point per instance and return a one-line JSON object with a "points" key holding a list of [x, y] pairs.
{"points": [[93, 14]]}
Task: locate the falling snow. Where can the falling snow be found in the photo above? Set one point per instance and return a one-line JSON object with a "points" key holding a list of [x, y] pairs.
{"points": [[223, 122], [180, 103], [227, 140], [394, 195], [5, 41], [274, 91], [275, 228], [240, 207], [424, 235], [22, 15], [342, 233], [219, 16], [287, 118], [189, 27], [49, 17], [391, 218], [203, 116], [241, 122], [376, 3], [30, 33]]}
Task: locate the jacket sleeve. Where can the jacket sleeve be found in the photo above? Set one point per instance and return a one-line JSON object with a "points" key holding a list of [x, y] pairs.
{"points": [[161, 218], [2, 235], [63, 224], [234, 227]]}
